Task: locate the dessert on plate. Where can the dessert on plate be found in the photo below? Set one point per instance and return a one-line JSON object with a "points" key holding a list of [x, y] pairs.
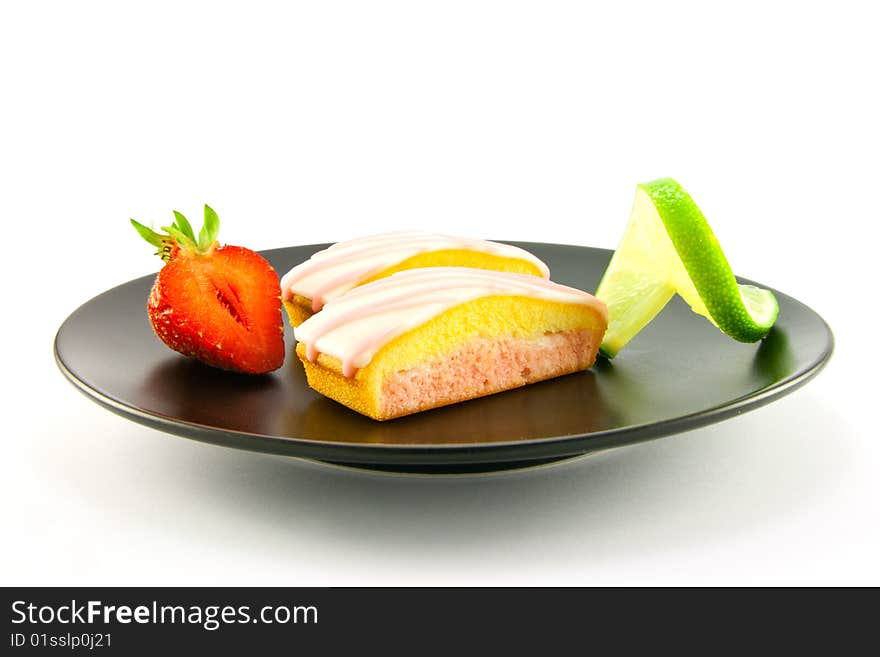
{"points": [[332, 272], [423, 338]]}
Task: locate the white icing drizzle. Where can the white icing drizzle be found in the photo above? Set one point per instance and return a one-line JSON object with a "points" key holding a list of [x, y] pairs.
{"points": [[330, 273], [354, 327]]}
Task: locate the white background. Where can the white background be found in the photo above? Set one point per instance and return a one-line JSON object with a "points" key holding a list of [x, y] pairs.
{"points": [[310, 122]]}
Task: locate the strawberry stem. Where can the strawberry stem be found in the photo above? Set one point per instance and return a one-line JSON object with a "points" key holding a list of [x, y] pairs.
{"points": [[181, 233]]}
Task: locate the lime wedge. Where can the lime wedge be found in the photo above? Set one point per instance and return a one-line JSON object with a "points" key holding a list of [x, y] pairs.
{"points": [[668, 248]]}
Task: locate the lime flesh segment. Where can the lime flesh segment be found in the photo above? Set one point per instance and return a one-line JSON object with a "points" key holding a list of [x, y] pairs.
{"points": [[633, 300], [669, 248]]}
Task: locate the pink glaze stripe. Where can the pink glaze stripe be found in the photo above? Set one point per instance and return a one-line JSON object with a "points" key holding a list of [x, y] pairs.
{"points": [[340, 267]]}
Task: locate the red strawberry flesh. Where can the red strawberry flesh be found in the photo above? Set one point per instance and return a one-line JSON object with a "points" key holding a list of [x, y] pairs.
{"points": [[222, 307]]}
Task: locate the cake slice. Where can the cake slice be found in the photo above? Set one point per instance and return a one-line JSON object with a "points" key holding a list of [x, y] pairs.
{"points": [[330, 273], [424, 338]]}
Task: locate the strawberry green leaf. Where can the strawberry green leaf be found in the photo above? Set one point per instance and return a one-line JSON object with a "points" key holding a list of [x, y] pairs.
{"points": [[210, 229], [148, 234], [184, 226], [179, 235]]}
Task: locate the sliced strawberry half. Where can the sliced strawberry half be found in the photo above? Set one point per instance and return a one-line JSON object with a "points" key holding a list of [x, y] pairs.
{"points": [[218, 304]]}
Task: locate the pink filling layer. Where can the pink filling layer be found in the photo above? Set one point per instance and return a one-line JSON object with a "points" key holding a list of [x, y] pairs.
{"points": [[487, 366]]}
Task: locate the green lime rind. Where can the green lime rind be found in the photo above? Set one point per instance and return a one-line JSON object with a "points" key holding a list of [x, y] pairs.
{"points": [[695, 268], [706, 265]]}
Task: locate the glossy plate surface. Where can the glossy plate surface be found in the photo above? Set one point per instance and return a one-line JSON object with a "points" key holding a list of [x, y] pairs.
{"points": [[678, 374]]}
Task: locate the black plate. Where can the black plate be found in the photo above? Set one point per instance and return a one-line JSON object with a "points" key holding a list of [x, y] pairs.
{"points": [[678, 374]]}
